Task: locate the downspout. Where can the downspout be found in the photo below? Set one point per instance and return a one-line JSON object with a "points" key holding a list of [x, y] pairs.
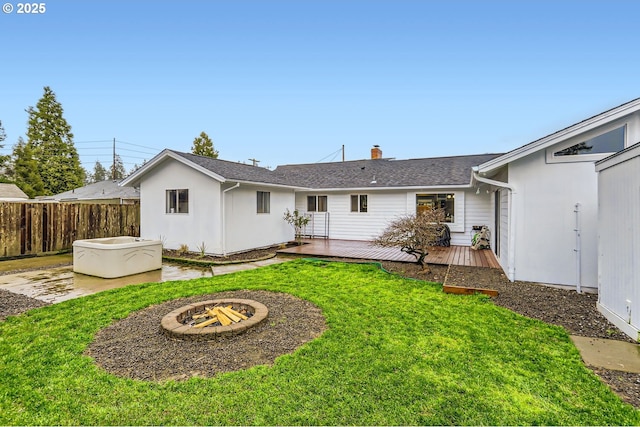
{"points": [[223, 228], [511, 256]]}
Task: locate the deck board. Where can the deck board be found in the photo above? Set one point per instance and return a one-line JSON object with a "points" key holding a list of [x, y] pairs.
{"points": [[456, 255]]}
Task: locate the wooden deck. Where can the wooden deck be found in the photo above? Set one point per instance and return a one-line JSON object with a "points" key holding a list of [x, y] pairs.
{"points": [[456, 255]]}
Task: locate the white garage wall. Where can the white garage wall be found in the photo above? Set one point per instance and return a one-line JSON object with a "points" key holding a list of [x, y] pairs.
{"points": [[247, 229], [200, 224]]}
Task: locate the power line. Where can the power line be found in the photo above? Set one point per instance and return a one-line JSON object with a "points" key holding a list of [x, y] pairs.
{"points": [[334, 154]]}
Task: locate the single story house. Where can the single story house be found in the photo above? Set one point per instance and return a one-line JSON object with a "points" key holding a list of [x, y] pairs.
{"points": [[11, 193], [230, 207], [106, 192], [540, 200], [619, 239]]}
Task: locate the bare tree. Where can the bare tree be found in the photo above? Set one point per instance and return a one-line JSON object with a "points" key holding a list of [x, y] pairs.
{"points": [[414, 234]]}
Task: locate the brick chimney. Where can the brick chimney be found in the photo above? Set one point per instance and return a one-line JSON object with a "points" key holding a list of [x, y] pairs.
{"points": [[376, 152]]}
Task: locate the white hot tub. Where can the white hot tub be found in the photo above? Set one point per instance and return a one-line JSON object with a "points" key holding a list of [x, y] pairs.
{"points": [[111, 257]]}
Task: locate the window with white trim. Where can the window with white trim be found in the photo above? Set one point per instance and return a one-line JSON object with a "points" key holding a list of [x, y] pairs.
{"points": [[590, 146], [177, 201], [264, 202], [358, 203], [316, 203], [609, 142], [444, 201]]}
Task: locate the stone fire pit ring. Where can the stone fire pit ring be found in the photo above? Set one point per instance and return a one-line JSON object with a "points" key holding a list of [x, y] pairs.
{"points": [[172, 323]]}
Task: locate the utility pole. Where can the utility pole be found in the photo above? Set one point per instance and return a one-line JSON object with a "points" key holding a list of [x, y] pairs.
{"points": [[343, 152], [255, 162], [113, 169]]}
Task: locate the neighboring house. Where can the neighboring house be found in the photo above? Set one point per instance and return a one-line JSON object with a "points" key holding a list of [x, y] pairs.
{"points": [[217, 205], [107, 192], [11, 193], [545, 197], [619, 239]]}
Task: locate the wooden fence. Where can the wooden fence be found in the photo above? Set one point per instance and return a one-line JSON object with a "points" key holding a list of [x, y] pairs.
{"points": [[33, 228]]}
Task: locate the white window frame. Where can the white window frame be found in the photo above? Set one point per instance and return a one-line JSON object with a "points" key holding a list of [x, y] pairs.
{"points": [[458, 226], [359, 206], [317, 203], [444, 193], [174, 193], [263, 205], [583, 137]]}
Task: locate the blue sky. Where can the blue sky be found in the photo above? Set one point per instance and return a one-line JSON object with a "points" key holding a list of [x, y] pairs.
{"points": [[292, 81]]}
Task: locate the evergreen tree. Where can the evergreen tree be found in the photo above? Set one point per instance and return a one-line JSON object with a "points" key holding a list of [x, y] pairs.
{"points": [[3, 158], [99, 172], [25, 170], [51, 141], [137, 166], [117, 171], [203, 146]]}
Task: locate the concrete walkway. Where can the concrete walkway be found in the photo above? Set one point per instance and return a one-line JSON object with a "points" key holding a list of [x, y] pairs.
{"points": [[58, 284], [609, 354], [218, 270]]}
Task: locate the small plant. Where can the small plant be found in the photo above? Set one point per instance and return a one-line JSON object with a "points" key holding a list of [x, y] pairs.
{"points": [[202, 249], [183, 249], [298, 222], [163, 239]]}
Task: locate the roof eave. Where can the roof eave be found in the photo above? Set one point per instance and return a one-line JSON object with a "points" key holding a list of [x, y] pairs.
{"points": [[389, 188], [136, 176], [571, 131], [266, 184]]}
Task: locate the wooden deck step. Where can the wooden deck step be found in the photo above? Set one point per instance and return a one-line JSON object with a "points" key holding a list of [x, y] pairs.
{"points": [[463, 290]]}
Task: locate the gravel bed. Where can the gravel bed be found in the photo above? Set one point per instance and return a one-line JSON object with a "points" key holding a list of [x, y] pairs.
{"points": [[12, 304], [135, 347]]}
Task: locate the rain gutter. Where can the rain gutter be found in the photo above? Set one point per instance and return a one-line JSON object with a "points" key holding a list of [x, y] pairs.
{"points": [[511, 256]]}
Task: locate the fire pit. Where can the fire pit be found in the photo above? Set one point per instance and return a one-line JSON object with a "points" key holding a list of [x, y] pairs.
{"points": [[211, 319]]}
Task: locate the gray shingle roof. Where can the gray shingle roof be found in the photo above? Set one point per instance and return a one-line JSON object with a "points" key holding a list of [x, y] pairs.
{"points": [[426, 172], [234, 171], [11, 191], [102, 190]]}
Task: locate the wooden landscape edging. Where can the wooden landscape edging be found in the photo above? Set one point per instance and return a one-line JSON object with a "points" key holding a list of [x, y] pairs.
{"points": [[463, 290]]}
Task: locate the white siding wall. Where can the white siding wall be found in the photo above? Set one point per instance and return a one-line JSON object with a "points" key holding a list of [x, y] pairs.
{"points": [[479, 211], [383, 207], [247, 229], [545, 220], [386, 206], [619, 243], [201, 224]]}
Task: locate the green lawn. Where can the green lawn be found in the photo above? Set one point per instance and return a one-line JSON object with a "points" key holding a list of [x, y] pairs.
{"points": [[397, 352]]}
